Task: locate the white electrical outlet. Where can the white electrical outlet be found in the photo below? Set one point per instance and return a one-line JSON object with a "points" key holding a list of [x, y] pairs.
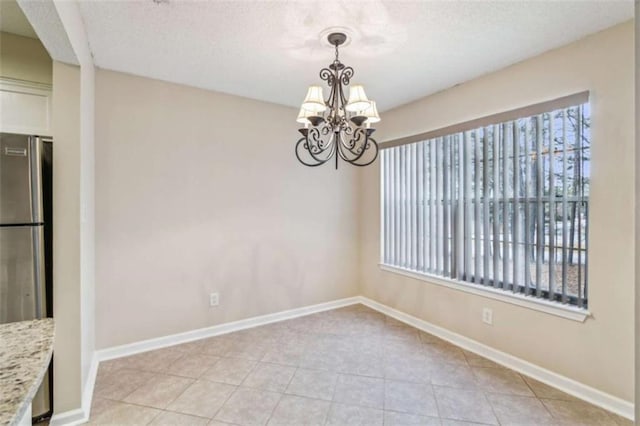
{"points": [[487, 316], [214, 299]]}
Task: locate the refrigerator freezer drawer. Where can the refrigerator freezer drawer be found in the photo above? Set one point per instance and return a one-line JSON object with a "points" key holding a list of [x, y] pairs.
{"points": [[22, 289]]}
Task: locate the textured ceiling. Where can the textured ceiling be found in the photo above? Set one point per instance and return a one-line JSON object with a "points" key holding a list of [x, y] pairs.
{"points": [[43, 16], [13, 21], [271, 50]]}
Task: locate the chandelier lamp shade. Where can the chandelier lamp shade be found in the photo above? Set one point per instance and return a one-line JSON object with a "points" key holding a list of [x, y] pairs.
{"points": [[357, 99], [337, 127], [314, 102]]}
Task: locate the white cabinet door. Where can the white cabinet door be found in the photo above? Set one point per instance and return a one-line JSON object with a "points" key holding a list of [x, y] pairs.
{"points": [[25, 107]]}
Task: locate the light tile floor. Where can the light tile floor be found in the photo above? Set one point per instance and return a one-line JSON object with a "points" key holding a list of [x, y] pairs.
{"points": [[349, 366]]}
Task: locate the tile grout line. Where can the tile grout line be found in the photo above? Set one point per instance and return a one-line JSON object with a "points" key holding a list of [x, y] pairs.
{"points": [[179, 395], [234, 391], [537, 397], [435, 399], [154, 417], [384, 398], [160, 410], [333, 398], [319, 335], [182, 377], [283, 393], [493, 410], [225, 401], [155, 374]]}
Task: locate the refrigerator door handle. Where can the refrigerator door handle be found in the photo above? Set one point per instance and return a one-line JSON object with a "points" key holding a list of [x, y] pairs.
{"points": [[35, 144], [37, 235], [15, 152]]}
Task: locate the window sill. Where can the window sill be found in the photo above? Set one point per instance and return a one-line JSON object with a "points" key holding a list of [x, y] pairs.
{"points": [[552, 308]]}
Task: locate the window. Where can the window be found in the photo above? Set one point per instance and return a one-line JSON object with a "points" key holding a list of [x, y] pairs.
{"points": [[504, 204]]}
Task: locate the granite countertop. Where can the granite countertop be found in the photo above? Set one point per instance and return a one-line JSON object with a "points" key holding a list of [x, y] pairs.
{"points": [[25, 352]]}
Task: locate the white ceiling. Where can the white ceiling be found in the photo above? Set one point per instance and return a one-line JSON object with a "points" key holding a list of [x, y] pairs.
{"points": [[271, 50], [13, 21]]}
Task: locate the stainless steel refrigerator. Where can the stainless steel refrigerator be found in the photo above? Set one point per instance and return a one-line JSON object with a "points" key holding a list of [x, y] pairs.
{"points": [[25, 204]]}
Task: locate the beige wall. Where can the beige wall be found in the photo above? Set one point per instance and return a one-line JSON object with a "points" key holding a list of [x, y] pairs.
{"points": [[66, 230], [198, 192], [24, 58], [599, 352]]}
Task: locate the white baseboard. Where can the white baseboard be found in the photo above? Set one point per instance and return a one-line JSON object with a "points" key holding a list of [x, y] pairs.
{"points": [[570, 386], [565, 384], [229, 327], [80, 415], [87, 394], [71, 417]]}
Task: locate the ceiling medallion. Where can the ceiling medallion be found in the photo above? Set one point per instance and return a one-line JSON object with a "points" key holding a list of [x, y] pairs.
{"points": [[336, 127]]}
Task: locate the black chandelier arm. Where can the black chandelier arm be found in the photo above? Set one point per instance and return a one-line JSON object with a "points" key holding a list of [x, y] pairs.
{"points": [[373, 143], [346, 75], [319, 163], [346, 128], [336, 98], [320, 147], [370, 143], [356, 148], [331, 147], [343, 99], [327, 75], [353, 147], [318, 136], [343, 153], [314, 141], [353, 142], [317, 143], [329, 100]]}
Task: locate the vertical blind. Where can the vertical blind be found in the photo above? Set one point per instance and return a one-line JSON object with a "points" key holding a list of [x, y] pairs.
{"points": [[504, 205]]}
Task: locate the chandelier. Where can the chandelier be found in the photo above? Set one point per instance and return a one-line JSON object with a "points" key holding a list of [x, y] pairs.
{"points": [[337, 128]]}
